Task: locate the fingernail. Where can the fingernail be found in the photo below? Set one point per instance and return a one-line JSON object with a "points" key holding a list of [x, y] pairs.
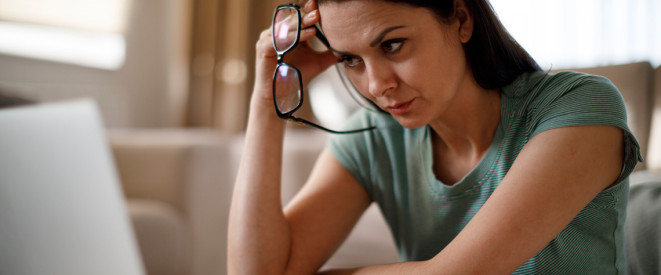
{"points": [[311, 15]]}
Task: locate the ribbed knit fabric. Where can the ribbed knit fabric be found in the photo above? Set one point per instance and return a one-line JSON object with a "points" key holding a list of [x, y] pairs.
{"points": [[394, 165]]}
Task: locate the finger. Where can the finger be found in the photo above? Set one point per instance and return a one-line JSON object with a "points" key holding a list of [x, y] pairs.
{"points": [[265, 43], [321, 61], [309, 18], [307, 34], [309, 6]]}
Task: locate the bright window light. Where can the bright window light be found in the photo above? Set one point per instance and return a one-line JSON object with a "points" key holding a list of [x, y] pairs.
{"points": [[94, 15], [586, 33], [82, 32], [83, 48]]}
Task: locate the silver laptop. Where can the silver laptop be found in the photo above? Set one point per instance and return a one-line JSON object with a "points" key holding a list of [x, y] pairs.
{"points": [[62, 210]]}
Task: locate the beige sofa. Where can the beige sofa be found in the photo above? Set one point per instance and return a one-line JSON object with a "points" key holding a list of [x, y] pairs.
{"points": [[178, 182]]}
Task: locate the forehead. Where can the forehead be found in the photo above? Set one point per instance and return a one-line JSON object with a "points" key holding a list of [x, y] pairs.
{"points": [[356, 20], [356, 10]]}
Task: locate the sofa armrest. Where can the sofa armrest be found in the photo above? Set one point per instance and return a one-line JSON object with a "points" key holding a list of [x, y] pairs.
{"points": [[162, 235], [644, 176], [643, 226], [187, 171]]}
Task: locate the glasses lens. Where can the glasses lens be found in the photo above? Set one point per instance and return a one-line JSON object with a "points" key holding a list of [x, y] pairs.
{"points": [[285, 28], [287, 88]]}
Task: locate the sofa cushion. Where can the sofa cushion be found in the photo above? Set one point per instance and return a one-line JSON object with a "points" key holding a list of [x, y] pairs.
{"points": [[162, 235], [643, 224], [369, 243], [151, 171], [188, 170]]}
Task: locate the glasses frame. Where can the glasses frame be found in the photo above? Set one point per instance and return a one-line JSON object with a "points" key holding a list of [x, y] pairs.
{"points": [[280, 57]]}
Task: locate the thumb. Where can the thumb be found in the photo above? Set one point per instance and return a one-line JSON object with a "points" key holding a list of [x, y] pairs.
{"points": [[326, 58], [322, 60]]}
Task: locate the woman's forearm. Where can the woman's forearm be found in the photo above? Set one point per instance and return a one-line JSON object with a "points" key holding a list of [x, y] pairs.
{"points": [[258, 237], [421, 267]]}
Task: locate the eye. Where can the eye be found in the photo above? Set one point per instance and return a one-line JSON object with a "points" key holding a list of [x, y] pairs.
{"points": [[350, 61], [393, 45]]}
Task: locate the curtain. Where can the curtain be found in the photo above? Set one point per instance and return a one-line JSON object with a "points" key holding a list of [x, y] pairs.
{"points": [[222, 56]]}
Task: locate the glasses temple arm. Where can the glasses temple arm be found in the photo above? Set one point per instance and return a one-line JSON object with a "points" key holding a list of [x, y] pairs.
{"points": [[308, 123], [321, 37]]}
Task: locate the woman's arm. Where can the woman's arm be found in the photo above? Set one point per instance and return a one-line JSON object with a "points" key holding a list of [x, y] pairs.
{"points": [[256, 212], [262, 239], [323, 213], [554, 177]]}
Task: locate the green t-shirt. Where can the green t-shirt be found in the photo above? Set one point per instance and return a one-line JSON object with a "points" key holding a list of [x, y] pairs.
{"points": [[394, 165]]}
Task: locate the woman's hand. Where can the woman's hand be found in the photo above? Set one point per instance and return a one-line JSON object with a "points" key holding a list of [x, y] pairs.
{"points": [[309, 61]]}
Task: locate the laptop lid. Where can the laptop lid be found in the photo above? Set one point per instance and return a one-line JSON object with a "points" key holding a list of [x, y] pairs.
{"points": [[62, 210]]}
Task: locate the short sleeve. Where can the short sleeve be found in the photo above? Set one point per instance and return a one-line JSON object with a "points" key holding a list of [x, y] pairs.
{"points": [[353, 151], [571, 99]]}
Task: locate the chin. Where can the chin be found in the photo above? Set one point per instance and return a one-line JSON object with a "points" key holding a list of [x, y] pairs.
{"points": [[410, 123]]}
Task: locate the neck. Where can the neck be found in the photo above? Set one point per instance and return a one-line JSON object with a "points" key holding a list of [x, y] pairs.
{"points": [[468, 127], [462, 137]]}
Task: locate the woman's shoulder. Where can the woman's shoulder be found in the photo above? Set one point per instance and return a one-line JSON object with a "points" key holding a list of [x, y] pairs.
{"points": [[549, 100], [535, 83], [566, 80], [544, 90]]}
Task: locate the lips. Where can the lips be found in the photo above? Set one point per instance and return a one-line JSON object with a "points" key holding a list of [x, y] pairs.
{"points": [[399, 108]]}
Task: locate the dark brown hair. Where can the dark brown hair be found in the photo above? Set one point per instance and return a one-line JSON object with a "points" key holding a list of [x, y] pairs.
{"points": [[495, 58]]}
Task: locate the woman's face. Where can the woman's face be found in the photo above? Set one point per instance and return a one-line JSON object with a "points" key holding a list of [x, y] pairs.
{"points": [[400, 57]]}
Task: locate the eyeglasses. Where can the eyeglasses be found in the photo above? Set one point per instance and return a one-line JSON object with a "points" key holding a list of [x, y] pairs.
{"points": [[287, 81]]}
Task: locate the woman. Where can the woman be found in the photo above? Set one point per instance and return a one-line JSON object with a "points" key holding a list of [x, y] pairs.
{"points": [[483, 163]]}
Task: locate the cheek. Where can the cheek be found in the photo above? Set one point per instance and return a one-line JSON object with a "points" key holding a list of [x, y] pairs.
{"points": [[360, 83], [409, 73], [442, 68]]}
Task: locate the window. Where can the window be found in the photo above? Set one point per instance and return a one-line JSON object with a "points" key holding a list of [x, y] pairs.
{"points": [[585, 33], [82, 32]]}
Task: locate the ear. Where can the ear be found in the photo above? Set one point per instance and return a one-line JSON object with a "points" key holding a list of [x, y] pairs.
{"points": [[465, 19]]}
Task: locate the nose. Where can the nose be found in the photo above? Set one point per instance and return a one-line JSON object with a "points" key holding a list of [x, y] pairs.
{"points": [[381, 79]]}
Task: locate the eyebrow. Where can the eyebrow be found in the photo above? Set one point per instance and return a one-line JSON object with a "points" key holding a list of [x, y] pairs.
{"points": [[374, 42], [383, 34]]}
